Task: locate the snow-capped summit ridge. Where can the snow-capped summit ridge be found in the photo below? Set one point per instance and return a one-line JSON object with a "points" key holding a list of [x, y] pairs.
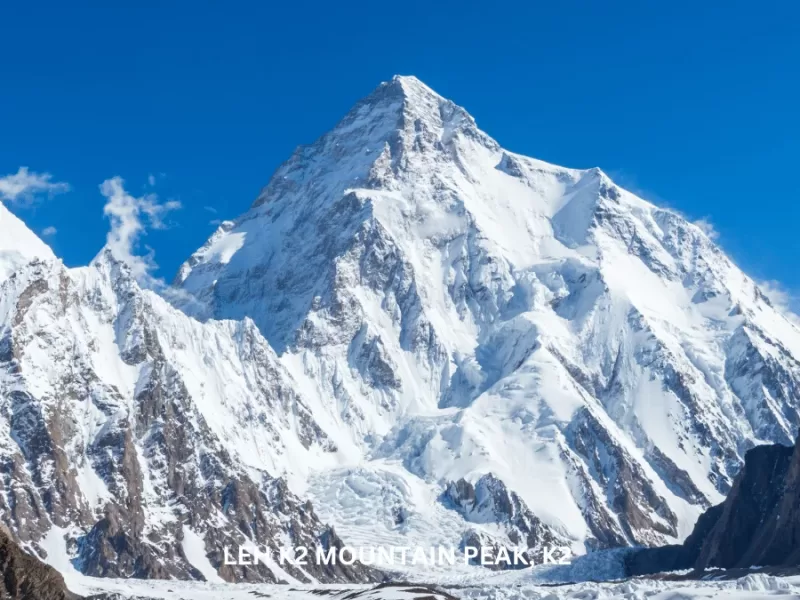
{"points": [[412, 82], [412, 92]]}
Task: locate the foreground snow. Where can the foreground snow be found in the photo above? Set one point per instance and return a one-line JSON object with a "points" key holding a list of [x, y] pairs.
{"points": [[752, 587]]}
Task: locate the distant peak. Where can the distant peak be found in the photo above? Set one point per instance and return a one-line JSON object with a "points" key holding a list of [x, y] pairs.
{"points": [[105, 260]]}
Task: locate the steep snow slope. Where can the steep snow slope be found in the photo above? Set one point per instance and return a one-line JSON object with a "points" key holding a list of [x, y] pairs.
{"points": [[451, 309], [18, 244]]}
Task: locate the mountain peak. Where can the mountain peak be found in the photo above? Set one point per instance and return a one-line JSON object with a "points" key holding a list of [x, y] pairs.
{"points": [[416, 100], [413, 88], [400, 117], [404, 87], [405, 101]]}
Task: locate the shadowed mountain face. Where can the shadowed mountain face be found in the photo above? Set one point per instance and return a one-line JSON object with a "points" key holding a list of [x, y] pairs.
{"points": [[757, 525]]}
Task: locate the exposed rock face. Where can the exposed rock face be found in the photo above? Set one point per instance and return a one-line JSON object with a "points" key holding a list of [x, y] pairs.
{"points": [[757, 525], [490, 502], [24, 577], [628, 490], [113, 433]]}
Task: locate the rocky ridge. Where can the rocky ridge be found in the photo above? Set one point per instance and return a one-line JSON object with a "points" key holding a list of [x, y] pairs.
{"points": [[109, 446]]}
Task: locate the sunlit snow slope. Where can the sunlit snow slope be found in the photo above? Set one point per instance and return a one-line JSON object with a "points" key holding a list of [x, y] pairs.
{"points": [[18, 244], [449, 309]]}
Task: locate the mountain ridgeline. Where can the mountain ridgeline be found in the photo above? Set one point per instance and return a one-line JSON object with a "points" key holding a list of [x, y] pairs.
{"points": [[412, 336]]}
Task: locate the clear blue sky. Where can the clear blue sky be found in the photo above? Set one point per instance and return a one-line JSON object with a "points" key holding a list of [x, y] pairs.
{"points": [[691, 104]]}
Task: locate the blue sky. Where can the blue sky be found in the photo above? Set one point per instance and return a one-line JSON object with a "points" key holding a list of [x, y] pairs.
{"points": [[692, 105]]}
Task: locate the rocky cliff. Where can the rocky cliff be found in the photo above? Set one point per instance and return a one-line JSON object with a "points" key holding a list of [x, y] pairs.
{"points": [[23, 577], [758, 524]]}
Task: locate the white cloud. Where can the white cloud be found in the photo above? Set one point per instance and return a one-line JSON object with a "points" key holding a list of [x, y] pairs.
{"points": [[629, 182], [49, 231], [210, 209], [215, 222], [24, 187], [130, 217], [708, 228], [782, 299]]}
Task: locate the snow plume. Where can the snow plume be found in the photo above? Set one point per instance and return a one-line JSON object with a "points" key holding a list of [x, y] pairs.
{"points": [[785, 301], [708, 228], [24, 187], [130, 217]]}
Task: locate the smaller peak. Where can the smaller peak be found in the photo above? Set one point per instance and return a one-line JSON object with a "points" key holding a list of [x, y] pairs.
{"points": [[104, 257], [111, 265], [598, 173], [18, 244]]}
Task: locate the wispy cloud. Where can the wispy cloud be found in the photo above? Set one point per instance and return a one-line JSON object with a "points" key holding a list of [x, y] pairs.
{"points": [[782, 299], [130, 218], [708, 228], [49, 231], [210, 209], [24, 187], [629, 181]]}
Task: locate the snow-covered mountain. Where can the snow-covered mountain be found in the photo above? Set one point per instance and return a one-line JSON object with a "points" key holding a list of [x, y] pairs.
{"points": [[434, 340], [451, 309], [18, 244]]}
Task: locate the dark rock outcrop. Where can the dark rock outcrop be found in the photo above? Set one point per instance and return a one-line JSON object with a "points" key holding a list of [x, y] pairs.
{"points": [[757, 525], [24, 577], [137, 473], [489, 501]]}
